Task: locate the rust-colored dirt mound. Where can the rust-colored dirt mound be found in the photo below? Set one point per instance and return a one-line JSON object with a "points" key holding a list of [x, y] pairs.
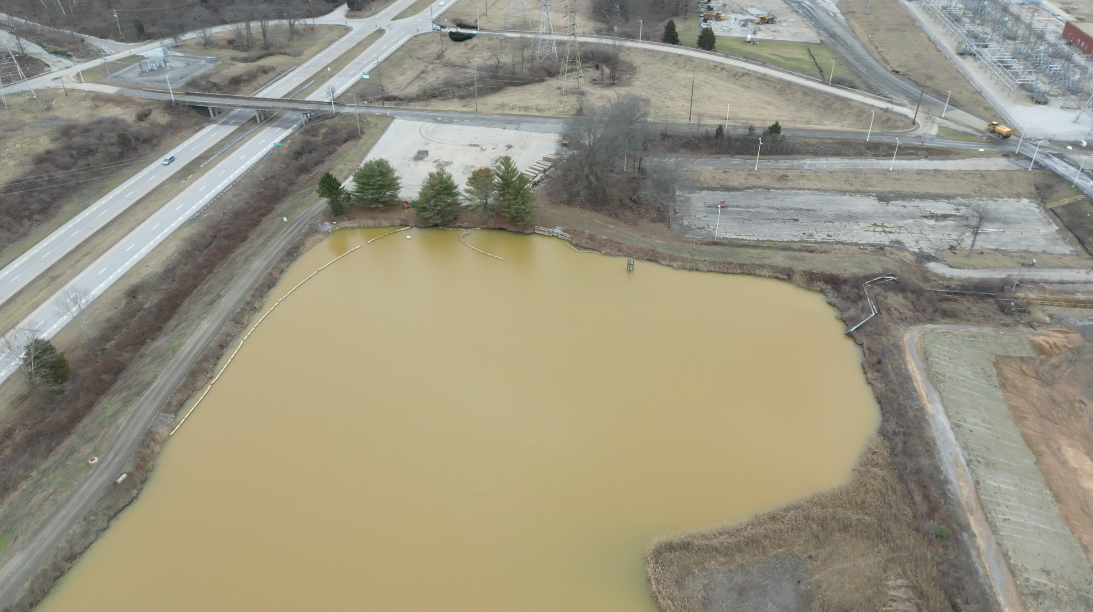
{"points": [[1051, 399]]}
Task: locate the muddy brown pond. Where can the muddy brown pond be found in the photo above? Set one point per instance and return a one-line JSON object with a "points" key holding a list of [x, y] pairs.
{"points": [[423, 427]]}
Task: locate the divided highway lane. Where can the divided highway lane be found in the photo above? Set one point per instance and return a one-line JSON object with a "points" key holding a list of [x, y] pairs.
{"points": [[51, 249], [50, 317]]}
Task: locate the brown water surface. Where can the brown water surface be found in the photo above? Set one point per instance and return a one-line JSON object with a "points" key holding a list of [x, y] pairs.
{"points": [[424, 428]]}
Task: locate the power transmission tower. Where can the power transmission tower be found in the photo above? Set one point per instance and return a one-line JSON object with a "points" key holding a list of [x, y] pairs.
{"points": [[517, 15], [572, 51], [11, 73], [545, 46]]}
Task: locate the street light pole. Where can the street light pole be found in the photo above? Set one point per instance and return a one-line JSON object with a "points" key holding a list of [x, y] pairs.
{"points": [[332, 110], [757, 154], [1034, 153], [832, 73], [1079, 171], [1019, 141], [718, 226], [727, 107], [893, 166], [946, 109], [639, 29], [170, 89], [692, 106], [870, 132]]}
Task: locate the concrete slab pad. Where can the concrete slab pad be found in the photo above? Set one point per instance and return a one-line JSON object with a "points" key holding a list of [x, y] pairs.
{"points": [[924, 225], [417, 148]]}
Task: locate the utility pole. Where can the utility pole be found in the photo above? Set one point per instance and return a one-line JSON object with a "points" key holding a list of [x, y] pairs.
{"points": [[757, 154], [1034, 153], [946, 109], [691, 108], [170, 89], [117, 22], [333, 111], [639, 28], [920, 93], [357, 114], [1079, 171], [893, 166], [476, 88], [870, 132], [727, 106]]}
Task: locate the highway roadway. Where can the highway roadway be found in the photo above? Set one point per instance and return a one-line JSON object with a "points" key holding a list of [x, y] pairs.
{"points": [[50, 317], [51, 249]]}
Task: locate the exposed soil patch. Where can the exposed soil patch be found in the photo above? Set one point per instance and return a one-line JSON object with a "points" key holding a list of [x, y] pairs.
{"points": [[1051, 399]]}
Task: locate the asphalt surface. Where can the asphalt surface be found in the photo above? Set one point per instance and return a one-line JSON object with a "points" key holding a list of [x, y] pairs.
{"points": [[50, 317], [51, 249]]}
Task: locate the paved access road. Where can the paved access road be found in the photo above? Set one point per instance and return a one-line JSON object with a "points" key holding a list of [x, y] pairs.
{"points": [[50, 316]]}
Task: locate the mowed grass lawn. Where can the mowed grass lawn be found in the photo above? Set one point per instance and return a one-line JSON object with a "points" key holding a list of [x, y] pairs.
{"points": [[793, 56]]}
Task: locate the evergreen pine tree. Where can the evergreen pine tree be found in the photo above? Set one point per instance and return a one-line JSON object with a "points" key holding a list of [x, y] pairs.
{"points": [[376, 185], [331, 189], [706, 39], [44, 366], [481, 191], [514, 197], [438, 200], [670, 35]]}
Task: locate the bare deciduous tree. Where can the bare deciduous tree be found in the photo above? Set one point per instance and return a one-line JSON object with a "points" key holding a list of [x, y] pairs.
{"points": [[606, 144], [291, 22], [265, 26], [72, 303], [978, 214]]}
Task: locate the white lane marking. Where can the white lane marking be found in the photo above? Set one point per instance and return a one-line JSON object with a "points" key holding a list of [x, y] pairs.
{"points": [[202, 189], [46, 254], [101, 271], [127, 250], [129, 194], [221, 172], [155, 226]]}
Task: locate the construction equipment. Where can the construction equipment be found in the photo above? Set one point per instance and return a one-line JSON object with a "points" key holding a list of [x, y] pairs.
{"points": [[1002, 131], [763, 19], [715, 15]]}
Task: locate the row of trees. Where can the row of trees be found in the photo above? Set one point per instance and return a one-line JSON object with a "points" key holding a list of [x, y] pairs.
{"points": [[502, 190], [707, 40]]}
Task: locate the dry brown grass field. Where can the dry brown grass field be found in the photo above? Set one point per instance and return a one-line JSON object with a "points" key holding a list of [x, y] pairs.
{"points": [[425, 62], [894, 37]]}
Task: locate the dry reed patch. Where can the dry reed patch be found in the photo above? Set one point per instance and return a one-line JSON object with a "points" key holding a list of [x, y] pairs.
{"points": [[858, 543]]}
